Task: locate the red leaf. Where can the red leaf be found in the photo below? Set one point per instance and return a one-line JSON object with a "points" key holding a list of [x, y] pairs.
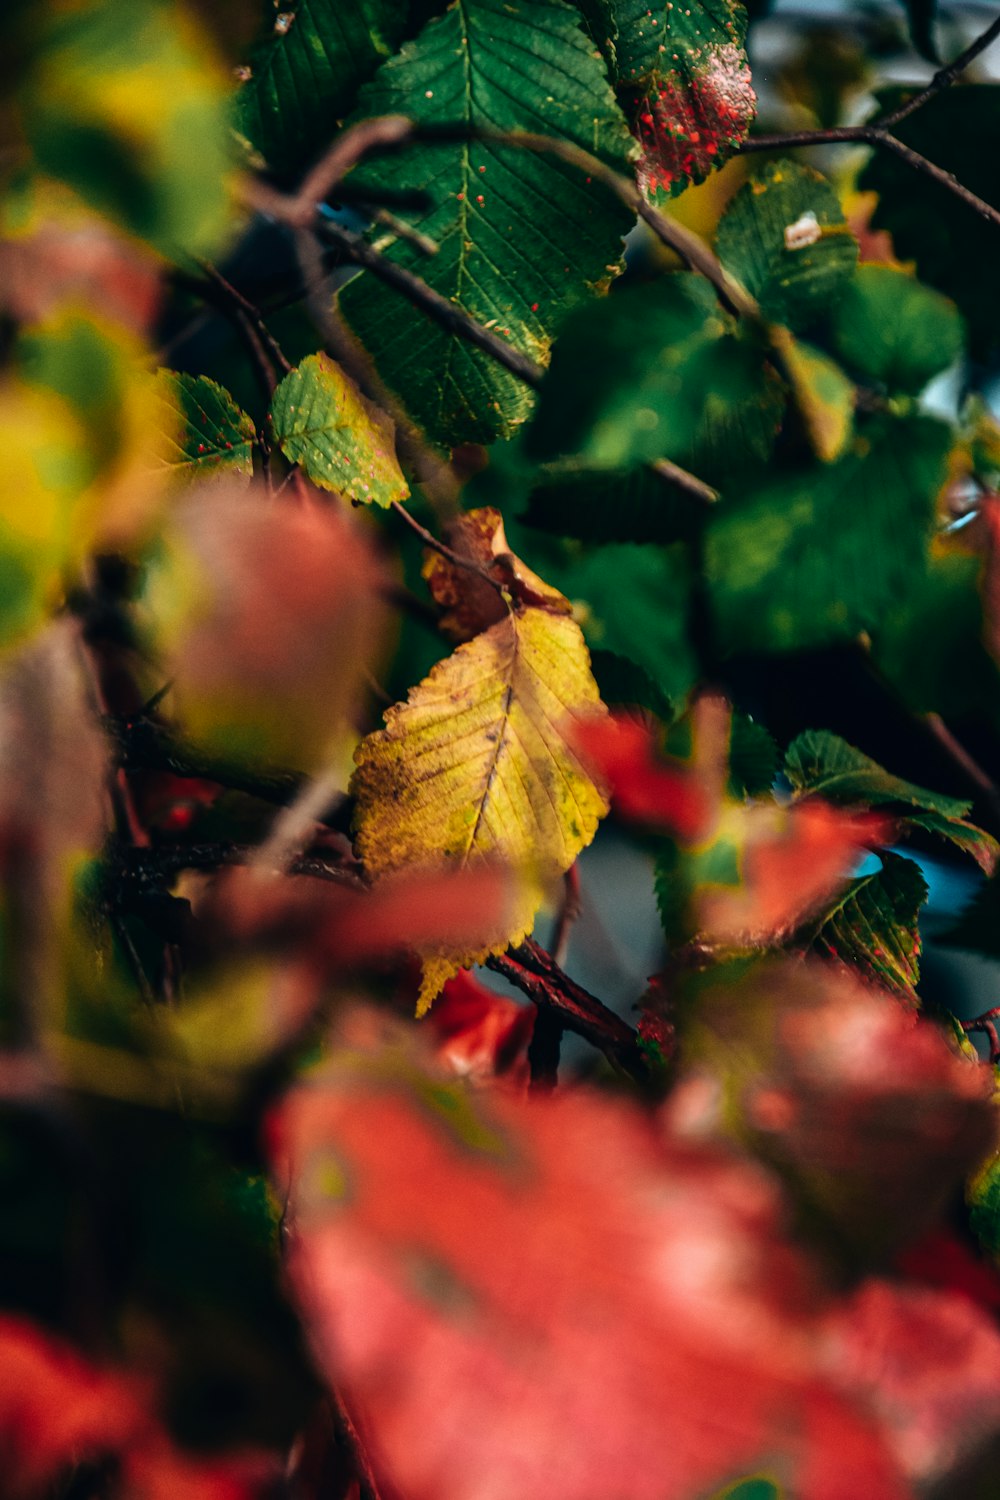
{"points": [[691, 120], [481, 1034], [645, 787], [870, 1115], [792, 859], [57, 1410], [508, 1290]]}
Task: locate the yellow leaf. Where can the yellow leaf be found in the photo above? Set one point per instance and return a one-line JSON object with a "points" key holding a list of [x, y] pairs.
{"points": [[821, 392], [477, 764]]}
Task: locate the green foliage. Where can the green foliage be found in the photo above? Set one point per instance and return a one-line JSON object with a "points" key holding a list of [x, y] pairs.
{"points": [[522, 238], [785, 237], [653, 372], [283, 760], [305, 70], [872, 926], [820, 554], [827, 766], [118, 94], [894, 331], [958, 131]]}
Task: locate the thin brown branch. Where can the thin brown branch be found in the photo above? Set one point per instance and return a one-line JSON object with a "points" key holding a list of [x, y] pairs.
{"points": [[974, 773], [878, 133], [944, 77], [682, 480], [538, 976], [448, 315], [986, 1023], [569, 911], [250, 311]]}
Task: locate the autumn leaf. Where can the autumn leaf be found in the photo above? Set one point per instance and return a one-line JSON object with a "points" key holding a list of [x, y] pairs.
{"points": [[580, 1295], [478, 764], [872, 1118], [472, 602], [265, 619], [683, 77]]}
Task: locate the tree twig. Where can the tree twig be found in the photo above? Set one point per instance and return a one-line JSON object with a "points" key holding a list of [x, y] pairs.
{"points": [[879, 133], [987, 1024], [428, 538], [538, 976]]}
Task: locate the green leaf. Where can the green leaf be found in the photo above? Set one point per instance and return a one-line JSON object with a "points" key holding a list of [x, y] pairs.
{"points": [[344, 443], [894, 331], [304, 76], [820, 555], [522, 237], [930, 646], [821, 763], [873, 925], [683, 77], [623, 684], [634, 601], [959, 130], [753, 757], [655, 371], [785, 237], [121, 92], [825, 765], [208, 434]]}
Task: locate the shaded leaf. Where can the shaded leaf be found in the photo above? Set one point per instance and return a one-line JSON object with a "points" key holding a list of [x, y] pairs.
{"points": [[929, 645], [635, 602], [873, 926], [683, 77], [209, 433], [785, 237], [477, 764], [895, 331], [305, 69], [654, 371], [753, 757], [343, 442], [820, 762], [922, 15], [607, 506], [119, 92], [820, 555], [977, 926], [959, 131], [523, 238]]}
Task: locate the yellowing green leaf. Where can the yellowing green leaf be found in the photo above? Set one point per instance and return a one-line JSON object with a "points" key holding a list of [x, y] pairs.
{"points": [[126, 104], [477, 764], [208, 434], [344, 443], [823, 395]]}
